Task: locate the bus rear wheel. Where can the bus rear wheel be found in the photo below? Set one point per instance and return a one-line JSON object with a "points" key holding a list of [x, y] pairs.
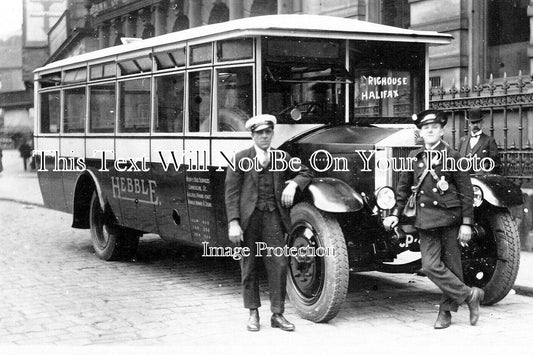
{"points": [[109, 242]]}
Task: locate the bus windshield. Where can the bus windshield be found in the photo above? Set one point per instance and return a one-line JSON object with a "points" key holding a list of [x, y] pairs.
{"points": [[304, 80]]}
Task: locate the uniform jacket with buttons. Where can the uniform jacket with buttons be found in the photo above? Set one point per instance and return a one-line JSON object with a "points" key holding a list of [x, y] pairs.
{"points": [[435, 208], [241, 189], [485, 148]]}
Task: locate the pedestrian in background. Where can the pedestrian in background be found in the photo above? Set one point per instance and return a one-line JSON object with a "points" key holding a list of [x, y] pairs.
{"points": [[478, 144], [1, 166], [25, 152], [444, 216]]}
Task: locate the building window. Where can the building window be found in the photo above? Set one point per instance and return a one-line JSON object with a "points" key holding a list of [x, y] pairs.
{"points": [[396, 13], [507, 37]]}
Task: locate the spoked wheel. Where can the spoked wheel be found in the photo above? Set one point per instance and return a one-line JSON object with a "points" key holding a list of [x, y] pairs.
{"points": [[317, 282], [491, 260], [109, 242]]}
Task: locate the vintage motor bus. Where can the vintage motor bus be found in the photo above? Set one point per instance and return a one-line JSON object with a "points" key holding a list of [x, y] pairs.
{"points": [[136, 139]]}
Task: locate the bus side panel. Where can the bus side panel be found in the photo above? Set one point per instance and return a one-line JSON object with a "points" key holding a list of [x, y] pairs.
{"points": [[172, 214], [221, 231], [222, 153], [199, 189], [50, 181], [133, 184], [73, 149]]}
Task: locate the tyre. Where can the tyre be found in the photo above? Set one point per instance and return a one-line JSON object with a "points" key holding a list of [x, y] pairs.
{"points": [[491, 260], [317, 285], [109, 242]]}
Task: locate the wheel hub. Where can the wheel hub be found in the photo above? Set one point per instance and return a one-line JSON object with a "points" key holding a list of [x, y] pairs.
{"points": [[305, 269]]}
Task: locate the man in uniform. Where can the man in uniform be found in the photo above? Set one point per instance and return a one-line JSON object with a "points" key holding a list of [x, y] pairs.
{"points": [[477, 143], [257, 205], [444, 215]]}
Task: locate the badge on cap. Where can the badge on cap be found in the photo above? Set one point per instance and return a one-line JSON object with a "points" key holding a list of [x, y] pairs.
{"points": [[260, 122]]}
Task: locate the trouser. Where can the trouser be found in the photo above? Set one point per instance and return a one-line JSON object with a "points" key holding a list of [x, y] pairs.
{"points": [[25, 162], [441, 262], [264, 226]]}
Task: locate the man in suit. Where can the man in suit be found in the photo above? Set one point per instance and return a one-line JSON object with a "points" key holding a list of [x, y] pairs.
{"points": [[444, 215], [257, 205], [478, 144]]}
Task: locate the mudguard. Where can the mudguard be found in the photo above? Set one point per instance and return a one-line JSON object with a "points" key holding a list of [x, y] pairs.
{"points": [[333, 195], [498, 190]]}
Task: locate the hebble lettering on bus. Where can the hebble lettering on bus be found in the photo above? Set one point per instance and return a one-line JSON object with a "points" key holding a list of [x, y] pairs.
{"points": [[127, 188]]}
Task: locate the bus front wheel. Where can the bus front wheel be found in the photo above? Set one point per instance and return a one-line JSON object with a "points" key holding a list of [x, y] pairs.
{"points": [[317, 283], [109, 242]]}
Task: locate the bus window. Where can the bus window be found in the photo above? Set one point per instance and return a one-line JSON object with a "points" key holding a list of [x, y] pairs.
{"points": [[199, 100], [304, 80], [134, 108], [75, 75], [74, 111], [234, 98], [170, 95], [102, 108], [50, 80], [141, 64], [50, 112], [101, 71], [201, 54], [387, 79], [235, 49], [171, 59]]}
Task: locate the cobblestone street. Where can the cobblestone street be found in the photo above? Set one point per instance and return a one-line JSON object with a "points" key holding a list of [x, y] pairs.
{"points": [[57, 292]]}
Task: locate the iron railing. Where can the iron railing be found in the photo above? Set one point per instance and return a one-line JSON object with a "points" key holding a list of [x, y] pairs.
{"points": [[508, 110]]}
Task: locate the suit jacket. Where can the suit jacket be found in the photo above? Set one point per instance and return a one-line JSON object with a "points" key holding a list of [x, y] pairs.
{"points": [[485, 147], [241, 189], [433, 207]]}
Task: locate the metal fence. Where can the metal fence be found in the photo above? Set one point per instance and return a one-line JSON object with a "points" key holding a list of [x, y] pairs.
{"points": [[507, 106]]}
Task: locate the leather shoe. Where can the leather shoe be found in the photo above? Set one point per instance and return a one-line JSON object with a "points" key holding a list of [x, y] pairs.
{"points": [[444, 319], [253, 321], [473, 301], [278, 321]]}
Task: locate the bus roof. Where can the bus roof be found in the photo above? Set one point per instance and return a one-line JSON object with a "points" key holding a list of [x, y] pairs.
{"points": [[313, 26]]}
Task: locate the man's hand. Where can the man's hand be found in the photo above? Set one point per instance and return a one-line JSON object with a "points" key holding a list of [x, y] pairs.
{"points": [[465, 234], [390, 222], [235, 232], [287, 196]]}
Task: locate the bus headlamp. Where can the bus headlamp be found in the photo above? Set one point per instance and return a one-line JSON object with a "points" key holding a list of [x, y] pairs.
{"points": [[385, 198], [478, 196]]}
